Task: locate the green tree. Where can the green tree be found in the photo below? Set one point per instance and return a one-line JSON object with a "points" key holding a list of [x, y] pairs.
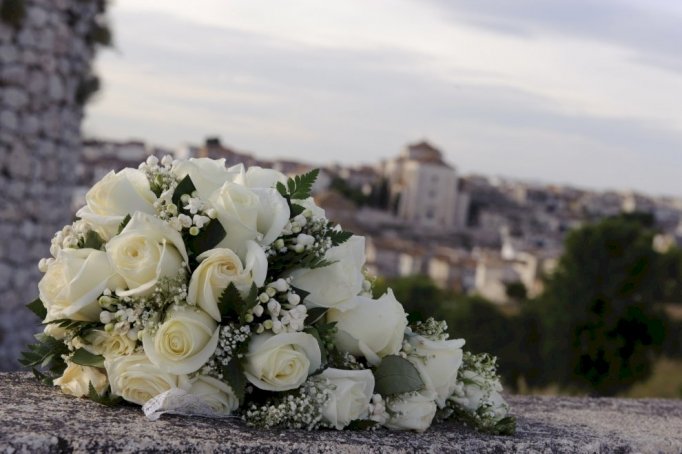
{"points": [[601, 324]]}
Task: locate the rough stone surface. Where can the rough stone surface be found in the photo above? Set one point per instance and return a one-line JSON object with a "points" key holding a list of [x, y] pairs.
{"points": [[38, 418], [42, 64]]}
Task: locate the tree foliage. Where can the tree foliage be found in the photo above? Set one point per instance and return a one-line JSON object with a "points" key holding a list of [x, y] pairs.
{"points": [[601, 324]]}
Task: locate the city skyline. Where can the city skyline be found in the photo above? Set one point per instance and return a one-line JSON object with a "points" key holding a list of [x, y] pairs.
{"points": [[590, 103]]}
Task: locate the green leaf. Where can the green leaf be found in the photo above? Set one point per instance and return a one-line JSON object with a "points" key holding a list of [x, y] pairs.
{"points": [[208, 237], [46, 354], [295, 209], [396, 375], [282, 189], [326, 330], [315, 314], [361, 424], [80, 327], [233, 375], [231, 302], [37, 307], [250, 301], [92, 240], [505, 426], [298, 187], [123, 223], [320, 263], [106, 398], [339, 237], [85, 358], [184, 187], [323, 351], [303, 184]]}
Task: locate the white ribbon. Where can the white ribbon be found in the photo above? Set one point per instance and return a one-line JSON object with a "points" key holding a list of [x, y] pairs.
{"points": [[177, 401]]}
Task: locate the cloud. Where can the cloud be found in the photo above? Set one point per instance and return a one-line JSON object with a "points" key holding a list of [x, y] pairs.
{"points": [[649, 29], [176, 80]]}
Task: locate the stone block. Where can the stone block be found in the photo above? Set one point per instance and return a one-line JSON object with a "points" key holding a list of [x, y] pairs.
{"points": [[37, 17], [8, 54], [8, 120], [38, 418], [30, 125], [13, 74], [5, 276], [14, 98], [19, 163]]}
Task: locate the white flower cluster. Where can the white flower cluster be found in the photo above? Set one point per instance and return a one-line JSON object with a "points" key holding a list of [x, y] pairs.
{"points": [[281, 307], [299, 410], [230, 338], [477, 399], [133, 315], [436, 330], [193, 285], [196, 213], [70, 237]]}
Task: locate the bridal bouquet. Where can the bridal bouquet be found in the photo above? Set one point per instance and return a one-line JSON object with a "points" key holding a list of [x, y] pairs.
{"points": [[191, 288]]}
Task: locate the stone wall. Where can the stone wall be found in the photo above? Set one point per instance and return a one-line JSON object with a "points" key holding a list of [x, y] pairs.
{"points": [[39, 418], [45, 57]]}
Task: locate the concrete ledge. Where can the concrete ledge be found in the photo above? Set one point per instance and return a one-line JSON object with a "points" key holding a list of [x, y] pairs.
{"points": [[37, 418]]}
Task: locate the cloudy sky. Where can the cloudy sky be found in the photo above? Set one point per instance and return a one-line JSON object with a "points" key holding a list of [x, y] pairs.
{"points": [[587, 92]]}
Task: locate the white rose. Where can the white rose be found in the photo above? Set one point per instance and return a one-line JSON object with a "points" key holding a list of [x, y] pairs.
{"points": [[183, 342], [220, 267], [249, 214], [76, 380], [474, 391], [337, 285], [281, 362], [352, 391], [100, 342], [412, 411], [373, 328], [438, 363], [217, 395], [206, 174], [145, 251], [258, 177], [114, 197], [74, 281], [137, 380]]}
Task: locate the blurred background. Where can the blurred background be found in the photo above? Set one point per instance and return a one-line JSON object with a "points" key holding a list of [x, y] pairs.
{"points": [[514, 165]]}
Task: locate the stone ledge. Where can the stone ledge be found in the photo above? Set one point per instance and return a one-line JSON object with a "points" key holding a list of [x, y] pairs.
{"points": [[37, 418]]}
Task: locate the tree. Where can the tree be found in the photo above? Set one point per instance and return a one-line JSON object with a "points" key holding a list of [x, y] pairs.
{"points": [[602, 326]]}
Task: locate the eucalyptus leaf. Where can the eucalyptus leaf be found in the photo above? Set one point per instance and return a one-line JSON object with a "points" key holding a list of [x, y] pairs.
{"points": [[396, 375]]}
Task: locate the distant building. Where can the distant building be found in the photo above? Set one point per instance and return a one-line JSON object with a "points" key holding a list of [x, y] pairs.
{"points": [[423, 187], [213, 148]]}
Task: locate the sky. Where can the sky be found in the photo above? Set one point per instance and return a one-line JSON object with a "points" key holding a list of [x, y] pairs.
{"points": [[582, 92]]}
